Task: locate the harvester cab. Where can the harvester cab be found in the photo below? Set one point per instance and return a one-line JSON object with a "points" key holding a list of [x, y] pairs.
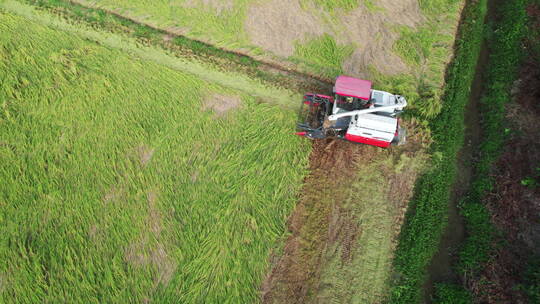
{"points": [[355, 113]]}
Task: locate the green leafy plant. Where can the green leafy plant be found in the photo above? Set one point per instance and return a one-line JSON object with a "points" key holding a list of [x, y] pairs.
{"points": [[532, 280], [425, 220], [530, 182]]}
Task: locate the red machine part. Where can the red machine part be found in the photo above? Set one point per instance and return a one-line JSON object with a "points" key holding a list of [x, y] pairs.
{"points": [[368, 141]]}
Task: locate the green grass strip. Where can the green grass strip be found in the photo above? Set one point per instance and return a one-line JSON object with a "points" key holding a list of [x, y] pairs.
{"points": [[446, 293], [506, 53], [427, 215]]}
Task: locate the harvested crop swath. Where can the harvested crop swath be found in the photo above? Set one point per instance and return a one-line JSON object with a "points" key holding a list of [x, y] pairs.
{"points": [[124, 181]]}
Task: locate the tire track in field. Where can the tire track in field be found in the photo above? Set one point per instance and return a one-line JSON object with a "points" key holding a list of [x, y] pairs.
{"points": [[295, 272]]}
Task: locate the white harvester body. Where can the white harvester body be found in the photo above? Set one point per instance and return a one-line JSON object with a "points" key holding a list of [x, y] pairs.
{"points": [[373, 126]]}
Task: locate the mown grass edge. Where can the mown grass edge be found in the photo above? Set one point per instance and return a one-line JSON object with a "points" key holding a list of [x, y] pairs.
{"points": [[504, 41]]}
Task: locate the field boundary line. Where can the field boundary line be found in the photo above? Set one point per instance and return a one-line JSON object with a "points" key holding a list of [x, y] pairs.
{"points": [[237, 81], [427, 214]]}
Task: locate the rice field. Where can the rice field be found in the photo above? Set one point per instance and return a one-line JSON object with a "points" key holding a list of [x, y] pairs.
{"points": [[123, 180]]}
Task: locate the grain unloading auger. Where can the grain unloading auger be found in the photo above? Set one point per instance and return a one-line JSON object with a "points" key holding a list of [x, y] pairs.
{"points": [[356, 113]]}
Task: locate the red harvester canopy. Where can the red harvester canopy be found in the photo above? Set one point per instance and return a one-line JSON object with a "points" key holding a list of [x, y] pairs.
{"points": [[354, 87]]}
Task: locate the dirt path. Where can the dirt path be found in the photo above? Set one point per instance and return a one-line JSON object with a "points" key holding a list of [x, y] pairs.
{"points": [[440, 269], [297, 270]]}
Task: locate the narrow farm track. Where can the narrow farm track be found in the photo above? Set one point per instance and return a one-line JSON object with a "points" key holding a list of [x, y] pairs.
{"points": [[496, 261], [294, 274], [440, 268], [270, 72]]}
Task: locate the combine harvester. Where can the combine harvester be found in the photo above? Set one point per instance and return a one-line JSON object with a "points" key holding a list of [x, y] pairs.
{"points": [[356, 113]]}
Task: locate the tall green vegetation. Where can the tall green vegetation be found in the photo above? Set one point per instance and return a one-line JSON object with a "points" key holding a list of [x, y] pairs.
{"points": [[124, 181], [426, 218], [532, 279], [451, 294], [504, 41]]}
